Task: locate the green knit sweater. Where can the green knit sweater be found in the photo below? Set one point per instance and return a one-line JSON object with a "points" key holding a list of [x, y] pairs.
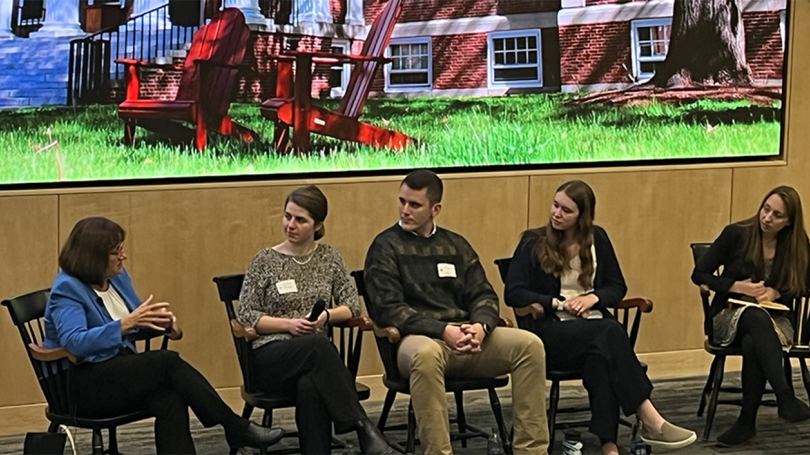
{"points": [[419, 284]]}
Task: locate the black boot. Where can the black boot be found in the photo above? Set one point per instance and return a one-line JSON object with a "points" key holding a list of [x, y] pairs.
{"points": [[739, 433], [372, 442], [252, 435]]}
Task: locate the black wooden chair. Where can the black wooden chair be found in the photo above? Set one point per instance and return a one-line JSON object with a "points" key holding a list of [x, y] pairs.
{"points": [[622, 312], [349, 346], [387, 340], [54, 371], [710, 397]]}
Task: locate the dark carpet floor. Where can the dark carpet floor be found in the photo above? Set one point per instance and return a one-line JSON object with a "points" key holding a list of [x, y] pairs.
{"points": [[676, 399]]}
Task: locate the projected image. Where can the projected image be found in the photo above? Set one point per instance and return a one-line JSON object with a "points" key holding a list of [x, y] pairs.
{"points": [[295, 86]]}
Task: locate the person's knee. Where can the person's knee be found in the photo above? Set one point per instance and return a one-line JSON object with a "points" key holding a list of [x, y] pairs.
{"points": [[429, 357], [167, 404], [163, 359]]}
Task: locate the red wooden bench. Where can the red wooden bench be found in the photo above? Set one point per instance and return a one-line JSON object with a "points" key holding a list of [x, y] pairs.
{"points": [[292, 105], [206, 86]]}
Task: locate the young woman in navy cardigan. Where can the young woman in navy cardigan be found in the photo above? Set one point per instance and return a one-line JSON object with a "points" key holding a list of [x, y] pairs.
{"points": [[93, 311], [764, 257], [564, 276]]}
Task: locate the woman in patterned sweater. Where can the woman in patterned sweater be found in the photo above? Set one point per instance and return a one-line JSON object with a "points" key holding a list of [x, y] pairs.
{"points": [[291, 353]]}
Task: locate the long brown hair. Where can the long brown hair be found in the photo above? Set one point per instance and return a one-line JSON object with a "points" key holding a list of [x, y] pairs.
{"points": [[791, 258], [86, 252], [550, 250], [311, 199]]}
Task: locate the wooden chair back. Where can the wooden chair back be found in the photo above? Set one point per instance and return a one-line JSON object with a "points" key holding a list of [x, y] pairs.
{"points": [[223, 40], [379, 35], [349, 339], [698, 251], [628, 312]]}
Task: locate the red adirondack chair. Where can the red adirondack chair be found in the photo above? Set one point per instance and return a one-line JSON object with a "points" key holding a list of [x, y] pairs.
{"points": [[204, 95], [292, 104]]}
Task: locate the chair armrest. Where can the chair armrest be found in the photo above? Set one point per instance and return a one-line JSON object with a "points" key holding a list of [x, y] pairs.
{"points": [[49, 355], [643, 305], [705, 291], [142, 64], [145, 335], [240, 331], [505, 323], [361, 322], [392, 333]]}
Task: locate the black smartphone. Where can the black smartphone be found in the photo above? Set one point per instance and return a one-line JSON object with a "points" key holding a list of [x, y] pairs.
{"points": [[320, 305]]}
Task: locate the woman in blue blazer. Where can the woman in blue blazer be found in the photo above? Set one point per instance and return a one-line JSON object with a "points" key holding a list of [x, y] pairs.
{"points": [[563, 277], [93, 312]]}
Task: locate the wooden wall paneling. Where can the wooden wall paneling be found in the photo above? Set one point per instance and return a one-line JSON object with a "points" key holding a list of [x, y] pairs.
{"points": [[651, 218], [28, 247]]}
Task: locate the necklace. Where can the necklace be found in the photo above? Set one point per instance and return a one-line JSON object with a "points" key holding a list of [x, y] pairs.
{"points": [[309, 257]]}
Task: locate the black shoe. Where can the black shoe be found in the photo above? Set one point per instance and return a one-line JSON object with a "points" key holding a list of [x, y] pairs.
{"points": [[372, 442], [255, 436], [736, 435], [793, 409]]}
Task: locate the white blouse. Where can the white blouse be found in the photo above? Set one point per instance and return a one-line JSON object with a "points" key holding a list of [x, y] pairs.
{"points": [[570, 287], [114, 303]]}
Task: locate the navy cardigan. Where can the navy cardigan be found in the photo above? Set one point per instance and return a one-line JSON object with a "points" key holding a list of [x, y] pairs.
{"points": [[527, 283]]}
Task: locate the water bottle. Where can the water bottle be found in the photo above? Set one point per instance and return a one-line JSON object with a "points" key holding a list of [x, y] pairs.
{"points": [[494, 446], [572, 444]]}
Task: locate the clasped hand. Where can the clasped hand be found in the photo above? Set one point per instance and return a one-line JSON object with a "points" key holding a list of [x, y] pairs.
{"points": [[464, 339], [580, 305], [302, 326], [757, 290]]}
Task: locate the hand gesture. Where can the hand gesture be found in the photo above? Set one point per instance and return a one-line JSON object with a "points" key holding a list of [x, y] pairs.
{"points": [[749, 288], [320, 322], [177, 333], [458, 341], [478, 333], [580, 305], [300, 326], [155, 316]]}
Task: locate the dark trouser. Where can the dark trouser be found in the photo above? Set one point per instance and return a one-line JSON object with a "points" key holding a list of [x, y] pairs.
{"points": [[611, 371], [310, 367], [159, 382], [762, 360]]}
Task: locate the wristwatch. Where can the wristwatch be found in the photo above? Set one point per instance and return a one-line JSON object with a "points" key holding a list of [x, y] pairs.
{"points": [[487, 328]]}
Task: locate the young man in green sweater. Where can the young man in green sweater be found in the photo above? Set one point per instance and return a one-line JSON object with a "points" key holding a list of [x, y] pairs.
{"points": [[428, 283]]}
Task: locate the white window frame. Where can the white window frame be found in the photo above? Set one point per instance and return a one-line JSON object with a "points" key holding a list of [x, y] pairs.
{"points": [[409, 87], [634, 51], [347, 68], [491, 59], [782, 27]]}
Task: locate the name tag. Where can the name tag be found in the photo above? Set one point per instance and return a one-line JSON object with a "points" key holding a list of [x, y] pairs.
{"points": [[286, 287], [447, 270]]}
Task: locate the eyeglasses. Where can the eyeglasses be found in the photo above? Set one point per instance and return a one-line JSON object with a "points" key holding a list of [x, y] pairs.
{"points": [[118, 251]]}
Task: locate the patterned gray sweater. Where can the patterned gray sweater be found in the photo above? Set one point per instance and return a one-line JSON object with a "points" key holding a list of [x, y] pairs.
{"points": [[320, 275], [420, 284]]}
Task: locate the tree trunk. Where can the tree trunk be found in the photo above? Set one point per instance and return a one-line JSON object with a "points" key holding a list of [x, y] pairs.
{"points": [[707, 46]]}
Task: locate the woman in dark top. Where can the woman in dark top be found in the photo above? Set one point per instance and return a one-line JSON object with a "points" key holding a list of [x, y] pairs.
{"points": [[93, 311], [292, 353], [764, 258], [562, 278]]}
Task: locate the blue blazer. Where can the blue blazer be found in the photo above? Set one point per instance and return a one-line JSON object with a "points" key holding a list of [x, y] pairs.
{"points": [[76, 318]]}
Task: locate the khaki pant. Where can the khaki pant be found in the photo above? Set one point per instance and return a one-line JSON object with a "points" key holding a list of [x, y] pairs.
{"points": [[426, 361]]}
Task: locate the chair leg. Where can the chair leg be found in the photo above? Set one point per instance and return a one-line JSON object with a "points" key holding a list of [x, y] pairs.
{"points": [[112, 447], [267, 418], [495, 402], [98, 442], [129, 131], [201, 132], [788, 368], [707, 389], [410, 446], [715, 393], [553, 403], [53, 427], [805, 376], [246, 413], [461, 419], [389, 402], [281, 138]]}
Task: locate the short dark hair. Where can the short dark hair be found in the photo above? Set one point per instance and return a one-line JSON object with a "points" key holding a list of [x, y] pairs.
{"points": [[86, 252], [311, 199], [423, 178]]}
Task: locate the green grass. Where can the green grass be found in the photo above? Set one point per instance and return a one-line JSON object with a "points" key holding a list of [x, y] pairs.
{"points": [[452, 132]]}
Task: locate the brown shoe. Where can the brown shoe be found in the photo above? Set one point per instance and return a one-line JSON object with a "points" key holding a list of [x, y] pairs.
{"points": [[670, 437]]}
